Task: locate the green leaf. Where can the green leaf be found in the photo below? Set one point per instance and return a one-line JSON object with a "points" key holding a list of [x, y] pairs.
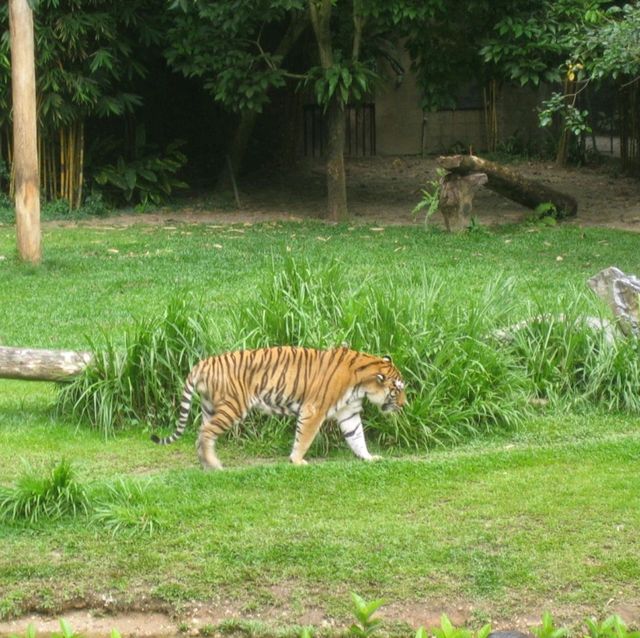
{"points": [[446, 625], [67, 632], [130, 178]]}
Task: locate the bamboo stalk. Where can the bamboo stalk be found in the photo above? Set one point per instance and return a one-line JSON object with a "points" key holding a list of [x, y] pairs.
{"points": [[52, 169], [71, 141], [62, 165], [81, 163]]}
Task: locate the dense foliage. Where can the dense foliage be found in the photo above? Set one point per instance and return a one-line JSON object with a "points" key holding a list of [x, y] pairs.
{"points": [[96, 58]]}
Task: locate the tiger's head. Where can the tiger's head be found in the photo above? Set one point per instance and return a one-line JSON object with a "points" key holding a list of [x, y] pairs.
{"points": [[385, 388]]}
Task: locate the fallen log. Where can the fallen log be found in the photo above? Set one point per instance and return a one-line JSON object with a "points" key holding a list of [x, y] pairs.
{"points": [[511, 184], [619, 291], [41, 365]]}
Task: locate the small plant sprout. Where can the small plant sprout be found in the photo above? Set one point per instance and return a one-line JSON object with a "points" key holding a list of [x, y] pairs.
{"points": [[611, 627], [430, 201], [448, 630], [548, 628], [363, 612]]}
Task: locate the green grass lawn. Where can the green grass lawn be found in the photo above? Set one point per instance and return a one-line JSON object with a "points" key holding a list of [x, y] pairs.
{"points": [[510, 523]]}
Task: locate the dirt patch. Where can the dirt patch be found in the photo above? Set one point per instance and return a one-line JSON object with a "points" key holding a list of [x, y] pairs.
{"points": [[220, 619], [384, 190]]}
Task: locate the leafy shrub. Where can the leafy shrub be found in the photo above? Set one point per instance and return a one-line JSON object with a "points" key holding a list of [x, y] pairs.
{"points": [[7, 211], [149, 177], [52, 496]]}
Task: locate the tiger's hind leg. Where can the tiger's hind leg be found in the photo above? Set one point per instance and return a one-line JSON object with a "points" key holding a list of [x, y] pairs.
{"points": [[212, 427]]}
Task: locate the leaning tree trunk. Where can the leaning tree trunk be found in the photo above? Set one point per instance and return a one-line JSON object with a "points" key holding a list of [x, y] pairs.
{"points": [[238, 147], [25, 132], [511, 184], [246, 125]]}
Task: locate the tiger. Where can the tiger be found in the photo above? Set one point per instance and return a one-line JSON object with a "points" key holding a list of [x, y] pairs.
{"points": [[310, 384]]}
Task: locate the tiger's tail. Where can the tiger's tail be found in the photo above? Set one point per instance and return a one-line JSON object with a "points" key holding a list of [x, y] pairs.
{"points": [[185, 407]]}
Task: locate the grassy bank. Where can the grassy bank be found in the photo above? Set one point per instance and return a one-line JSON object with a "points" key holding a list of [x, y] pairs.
{"points": [[541, 514]]}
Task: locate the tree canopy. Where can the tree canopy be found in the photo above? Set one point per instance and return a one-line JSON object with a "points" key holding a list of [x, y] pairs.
{"points": [[94, 58]]}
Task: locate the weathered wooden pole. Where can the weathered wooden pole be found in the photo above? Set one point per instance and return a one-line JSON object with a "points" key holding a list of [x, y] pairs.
{"points": [[25, 132]]}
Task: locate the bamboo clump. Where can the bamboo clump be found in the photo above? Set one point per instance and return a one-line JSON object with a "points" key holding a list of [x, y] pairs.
{"points": [[491, 114], [61, 164]]}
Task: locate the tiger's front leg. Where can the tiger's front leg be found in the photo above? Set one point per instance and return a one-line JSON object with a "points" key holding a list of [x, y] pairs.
{"points": [[307, 427], [351, 428]]}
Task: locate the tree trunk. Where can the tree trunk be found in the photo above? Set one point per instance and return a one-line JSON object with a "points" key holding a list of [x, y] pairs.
{"points": [[25, 132], [336, 177], [41, 365], [510, 184], [247, 123], [238, 147], [320, 13]]}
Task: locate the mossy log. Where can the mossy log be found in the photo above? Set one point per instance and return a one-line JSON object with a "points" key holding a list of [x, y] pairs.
{"points": [[510, 184]]}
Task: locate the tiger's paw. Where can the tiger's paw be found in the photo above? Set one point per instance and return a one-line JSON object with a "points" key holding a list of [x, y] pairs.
{"points": [[372, 458], [297, 461], [212, 467]]}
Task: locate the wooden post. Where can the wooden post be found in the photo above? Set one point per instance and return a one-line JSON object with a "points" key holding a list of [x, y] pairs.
{"points": [[25, 132]]}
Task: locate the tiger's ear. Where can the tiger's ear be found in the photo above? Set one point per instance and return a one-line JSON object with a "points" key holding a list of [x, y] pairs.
{"points": [[387, 358], [380, 378]]}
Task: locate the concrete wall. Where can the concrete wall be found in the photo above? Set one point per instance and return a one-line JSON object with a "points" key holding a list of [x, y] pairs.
{"points": [[403, 129]]}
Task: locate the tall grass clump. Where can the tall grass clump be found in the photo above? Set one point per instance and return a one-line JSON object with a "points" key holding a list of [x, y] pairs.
{"points": [[469, 367], [459, 384], [125, 506], [141, 379], [56, 494], [570, 360], [297, 305]]}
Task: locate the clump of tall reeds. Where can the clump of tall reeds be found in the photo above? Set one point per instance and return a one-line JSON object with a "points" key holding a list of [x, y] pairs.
{"points": [[140, 379]]}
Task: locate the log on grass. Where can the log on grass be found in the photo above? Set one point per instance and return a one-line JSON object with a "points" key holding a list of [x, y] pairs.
{"points": [[41, 365], [510, 184]]}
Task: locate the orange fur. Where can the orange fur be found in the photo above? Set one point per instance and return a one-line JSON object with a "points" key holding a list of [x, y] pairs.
{"points": [[312, 385]]}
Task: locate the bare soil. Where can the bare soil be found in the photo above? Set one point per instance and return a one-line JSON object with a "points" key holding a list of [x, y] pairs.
{"points": [[385, 190]]}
